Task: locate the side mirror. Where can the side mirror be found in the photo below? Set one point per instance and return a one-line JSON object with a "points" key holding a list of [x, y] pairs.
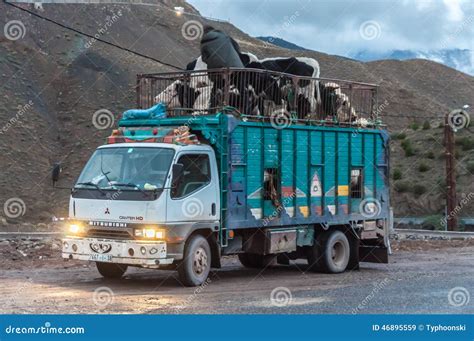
{"points": [[177, 173], [55, 173]]}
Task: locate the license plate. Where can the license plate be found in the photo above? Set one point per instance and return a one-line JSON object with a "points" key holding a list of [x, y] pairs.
{"points": [[100, 258]]}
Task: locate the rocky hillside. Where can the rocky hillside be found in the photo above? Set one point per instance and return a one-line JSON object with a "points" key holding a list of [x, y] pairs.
{"points": [[53, 80]]}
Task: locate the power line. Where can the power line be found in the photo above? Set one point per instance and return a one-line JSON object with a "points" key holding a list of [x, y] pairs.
{"points": [[91, 36]]}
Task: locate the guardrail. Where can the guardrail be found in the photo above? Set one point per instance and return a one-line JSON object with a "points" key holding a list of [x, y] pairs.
{"points": [[415, 234]]}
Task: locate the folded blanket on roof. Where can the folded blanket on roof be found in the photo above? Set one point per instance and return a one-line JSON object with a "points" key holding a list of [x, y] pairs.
{"points": [[156, 111]]}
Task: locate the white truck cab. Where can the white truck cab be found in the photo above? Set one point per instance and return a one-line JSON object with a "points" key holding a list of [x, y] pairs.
{"points": [[135, 204]]}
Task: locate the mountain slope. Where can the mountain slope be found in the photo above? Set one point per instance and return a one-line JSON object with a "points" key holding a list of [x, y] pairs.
{"points": [[459, 59], [281, 43], [66, 81]]}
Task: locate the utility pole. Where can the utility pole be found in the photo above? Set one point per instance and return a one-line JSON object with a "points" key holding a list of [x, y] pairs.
{"points": [[451, 215], [453, 121]]}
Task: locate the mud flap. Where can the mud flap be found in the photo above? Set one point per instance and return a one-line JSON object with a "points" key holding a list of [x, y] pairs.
{"points": [[373, 254]]}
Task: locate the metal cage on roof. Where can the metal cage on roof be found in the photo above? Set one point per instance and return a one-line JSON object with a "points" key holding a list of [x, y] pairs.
{"points": [[255, 94]]}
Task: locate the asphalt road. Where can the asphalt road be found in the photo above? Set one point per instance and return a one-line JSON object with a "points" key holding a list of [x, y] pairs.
{"points": [[418, 280]]}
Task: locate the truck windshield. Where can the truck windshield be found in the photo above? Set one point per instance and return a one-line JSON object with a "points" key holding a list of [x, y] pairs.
{"points": [[127, 168]]}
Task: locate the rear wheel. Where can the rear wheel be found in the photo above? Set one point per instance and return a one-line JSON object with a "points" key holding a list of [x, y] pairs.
{"points": [[111, 270], [336, 252], [330, 252], [194, 268]]}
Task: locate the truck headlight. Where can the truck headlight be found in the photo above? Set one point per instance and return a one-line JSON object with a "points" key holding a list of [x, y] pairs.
{"points": [[76, 229], [150, 233]]}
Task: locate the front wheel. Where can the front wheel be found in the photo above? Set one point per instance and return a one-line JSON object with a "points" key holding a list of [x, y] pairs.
{"points": [[111, 270], [194, 268]]}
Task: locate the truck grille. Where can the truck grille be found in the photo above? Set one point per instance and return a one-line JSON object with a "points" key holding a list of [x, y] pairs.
{"points": [[112, 234]]}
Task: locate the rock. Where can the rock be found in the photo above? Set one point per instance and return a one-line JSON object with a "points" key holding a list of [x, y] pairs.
{"points": [[22, 253], [42, 226]]}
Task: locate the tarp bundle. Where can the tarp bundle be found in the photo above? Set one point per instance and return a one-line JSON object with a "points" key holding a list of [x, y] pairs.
{"points": [[155, 112]]}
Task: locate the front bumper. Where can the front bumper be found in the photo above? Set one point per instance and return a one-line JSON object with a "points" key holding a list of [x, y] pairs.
{"points": [[150, 254]]}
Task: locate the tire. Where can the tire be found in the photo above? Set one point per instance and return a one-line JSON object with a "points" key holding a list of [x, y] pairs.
{"points": [[111, 270], [194, 268], [336, 252], [252, 260], [330, 253]]}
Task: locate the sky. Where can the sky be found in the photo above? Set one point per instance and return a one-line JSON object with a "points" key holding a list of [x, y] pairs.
{"points": [[345, 27]]}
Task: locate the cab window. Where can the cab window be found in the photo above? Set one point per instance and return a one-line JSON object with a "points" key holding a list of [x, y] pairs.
{"points": [[196, 174]]}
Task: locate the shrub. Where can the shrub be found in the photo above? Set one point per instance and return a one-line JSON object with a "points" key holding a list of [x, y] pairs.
{"points": [[423, 167], [415, 125], [401, 187], [398, 136], [470, 167], [397, 174], [465, 142], [426, 125], [409, 152], [407, 147], [441, 124], [430, 155], [419, 190]]}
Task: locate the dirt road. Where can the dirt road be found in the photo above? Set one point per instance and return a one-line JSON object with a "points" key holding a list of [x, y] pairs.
{"points": [[421, 278]]}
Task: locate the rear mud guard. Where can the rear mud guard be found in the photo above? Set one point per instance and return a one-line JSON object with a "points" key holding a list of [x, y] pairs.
{"points": [[373, 254]]}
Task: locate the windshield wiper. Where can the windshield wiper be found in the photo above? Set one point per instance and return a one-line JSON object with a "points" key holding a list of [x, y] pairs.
{"points": [[90, 183], [129, 185]]}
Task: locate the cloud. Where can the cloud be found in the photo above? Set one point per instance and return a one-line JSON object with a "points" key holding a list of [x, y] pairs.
{"points": [[455, 12], [335, 26]]}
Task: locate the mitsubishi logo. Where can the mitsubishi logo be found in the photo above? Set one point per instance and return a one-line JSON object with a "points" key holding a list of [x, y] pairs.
{"points": [[107, 211]]}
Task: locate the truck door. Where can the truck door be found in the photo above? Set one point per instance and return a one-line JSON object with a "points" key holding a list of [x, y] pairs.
{"points": [[196, 196]]}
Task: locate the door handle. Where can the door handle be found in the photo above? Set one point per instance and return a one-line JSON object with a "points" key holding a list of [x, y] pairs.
{"points": [[213, 208]]}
